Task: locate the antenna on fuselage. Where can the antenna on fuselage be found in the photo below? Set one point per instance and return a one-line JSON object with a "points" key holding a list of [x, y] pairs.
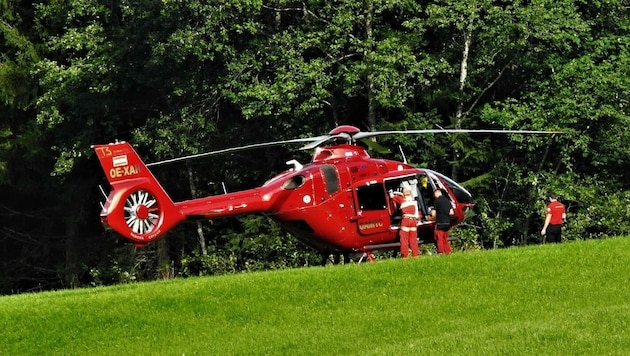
{"points": [[403, 154]]}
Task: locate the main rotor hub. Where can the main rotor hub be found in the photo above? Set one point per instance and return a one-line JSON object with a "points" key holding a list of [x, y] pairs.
{"points": [[349, 129]]}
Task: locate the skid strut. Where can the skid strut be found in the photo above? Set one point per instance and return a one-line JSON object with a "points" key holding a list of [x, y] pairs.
{"points": [[368, 256]]}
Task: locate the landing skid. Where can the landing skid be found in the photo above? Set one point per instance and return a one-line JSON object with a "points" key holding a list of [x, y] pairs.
{"points": [[347, 257], [367, 256]]}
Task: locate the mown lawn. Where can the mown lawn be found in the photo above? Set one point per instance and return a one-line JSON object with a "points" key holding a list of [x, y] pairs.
{"points": [[568, 299]]}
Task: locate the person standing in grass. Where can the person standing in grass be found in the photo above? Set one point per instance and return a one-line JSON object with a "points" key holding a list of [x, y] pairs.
{"points": [[555, 215], [409, 224], [442, 212]]}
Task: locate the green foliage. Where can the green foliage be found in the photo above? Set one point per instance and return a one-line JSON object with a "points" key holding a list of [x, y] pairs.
{"points": [[608, 217], [112, 273], [594, 209], [17, 56], [4, 147], [126, 264], [260, 244], [468, 238], [247, 243], [198, 264], [316, 62], [17, 86]]}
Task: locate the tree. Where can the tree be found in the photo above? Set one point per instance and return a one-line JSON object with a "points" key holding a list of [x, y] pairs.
{"points": [[581, 94]]}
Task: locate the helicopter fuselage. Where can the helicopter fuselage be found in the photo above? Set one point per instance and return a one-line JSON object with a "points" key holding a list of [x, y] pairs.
{"points": [[339, 202]]}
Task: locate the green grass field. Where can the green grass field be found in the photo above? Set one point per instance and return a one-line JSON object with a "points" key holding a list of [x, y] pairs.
{"points": [[568, 299]]}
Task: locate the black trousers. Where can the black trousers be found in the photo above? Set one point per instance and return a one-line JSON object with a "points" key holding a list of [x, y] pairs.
{"points": [[554, 233]]}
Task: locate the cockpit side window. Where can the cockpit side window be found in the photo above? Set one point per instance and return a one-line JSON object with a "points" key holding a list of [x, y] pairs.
{"points": [[294, 182]]}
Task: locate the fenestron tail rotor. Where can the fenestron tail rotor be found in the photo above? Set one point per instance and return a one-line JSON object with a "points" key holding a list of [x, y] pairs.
{"points": [[141, 212]]}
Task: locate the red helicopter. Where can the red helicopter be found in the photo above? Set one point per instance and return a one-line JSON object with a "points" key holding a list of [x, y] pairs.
{"points": [[337, 204]]}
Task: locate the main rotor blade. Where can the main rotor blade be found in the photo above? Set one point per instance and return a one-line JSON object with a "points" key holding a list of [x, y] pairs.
{"points": [[316, 143], [361, 135], [235, 149], [323, 139]]}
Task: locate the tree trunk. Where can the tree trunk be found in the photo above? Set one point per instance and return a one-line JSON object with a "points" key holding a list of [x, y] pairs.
{"points": [[193, 193], [371, 118], [459, 114], [164, 269], [71, 271], [72, 241]]}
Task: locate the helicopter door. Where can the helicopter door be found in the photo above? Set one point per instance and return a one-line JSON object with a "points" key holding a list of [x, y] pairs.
{"points": [[373, 212], [421, 191]]}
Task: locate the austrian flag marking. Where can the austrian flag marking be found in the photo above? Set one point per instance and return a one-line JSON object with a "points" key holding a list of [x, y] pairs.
{"points": [[119, 161]]}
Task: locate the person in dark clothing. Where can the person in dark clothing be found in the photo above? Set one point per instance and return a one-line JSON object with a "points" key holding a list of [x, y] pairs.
{"points": [[442, 211], [555, 215]]}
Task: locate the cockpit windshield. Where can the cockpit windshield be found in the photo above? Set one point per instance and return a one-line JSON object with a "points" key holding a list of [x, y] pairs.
{"points": [[461, 194]]}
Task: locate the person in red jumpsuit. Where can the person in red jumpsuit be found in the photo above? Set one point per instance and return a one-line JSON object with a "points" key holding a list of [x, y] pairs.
{"points": [[409, 223], [555, 215], [442, 212]]}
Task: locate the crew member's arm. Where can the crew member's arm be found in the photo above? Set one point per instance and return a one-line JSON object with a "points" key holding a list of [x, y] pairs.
{"points": [[547, 220], [397, 197]]}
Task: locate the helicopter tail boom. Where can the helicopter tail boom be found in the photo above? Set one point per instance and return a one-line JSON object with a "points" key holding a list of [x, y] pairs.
{"points": [[137, 207]]}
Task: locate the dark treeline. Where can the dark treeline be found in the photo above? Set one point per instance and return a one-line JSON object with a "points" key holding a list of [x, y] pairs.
{"points": [[183, 77]]}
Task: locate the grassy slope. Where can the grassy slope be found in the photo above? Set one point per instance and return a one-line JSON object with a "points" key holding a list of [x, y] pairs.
{"points": [[572, 298]]}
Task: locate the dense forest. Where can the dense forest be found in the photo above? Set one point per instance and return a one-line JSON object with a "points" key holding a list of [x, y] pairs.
{"points": [[177, 78]]}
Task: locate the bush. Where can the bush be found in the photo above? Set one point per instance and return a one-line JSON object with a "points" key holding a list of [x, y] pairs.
{"points": [[197, 264]]}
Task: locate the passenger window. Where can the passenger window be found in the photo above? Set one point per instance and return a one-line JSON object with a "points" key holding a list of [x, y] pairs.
{"points": [[372, 197]]}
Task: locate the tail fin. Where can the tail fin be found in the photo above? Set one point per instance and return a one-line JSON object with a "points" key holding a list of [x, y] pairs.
{"points": [[137, 207]]}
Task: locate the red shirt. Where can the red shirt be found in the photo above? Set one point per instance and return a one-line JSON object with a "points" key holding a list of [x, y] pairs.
{"points": [[556, 209]]}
